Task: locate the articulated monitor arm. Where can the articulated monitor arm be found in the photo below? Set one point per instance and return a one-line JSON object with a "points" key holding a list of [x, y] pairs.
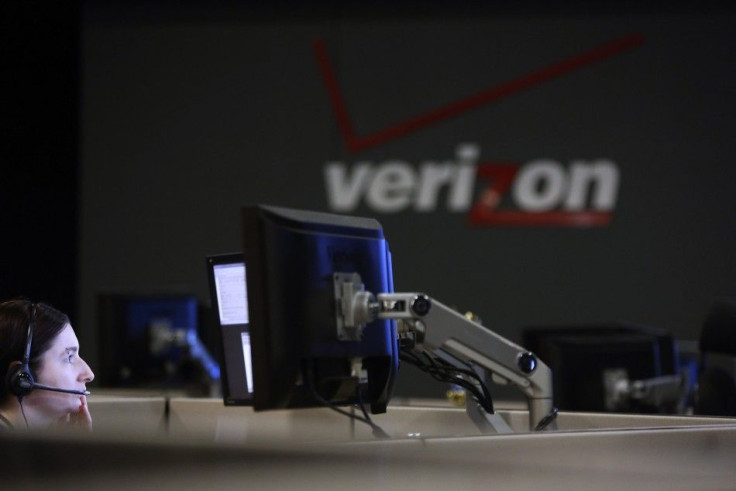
{"points": [[455, 339]]}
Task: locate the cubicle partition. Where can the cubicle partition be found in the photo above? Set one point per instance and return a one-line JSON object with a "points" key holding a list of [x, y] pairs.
{"points": [[180, 443], [142, 416]]}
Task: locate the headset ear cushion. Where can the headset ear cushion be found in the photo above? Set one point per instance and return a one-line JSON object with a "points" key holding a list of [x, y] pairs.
{"points": [[20, 381]]}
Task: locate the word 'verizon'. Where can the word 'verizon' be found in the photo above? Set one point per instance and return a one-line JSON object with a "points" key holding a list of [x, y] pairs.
{"points": [[539, 192]]}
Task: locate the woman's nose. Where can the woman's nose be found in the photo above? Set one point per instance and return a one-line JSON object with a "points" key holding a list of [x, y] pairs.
{"points": [[87, 374]]}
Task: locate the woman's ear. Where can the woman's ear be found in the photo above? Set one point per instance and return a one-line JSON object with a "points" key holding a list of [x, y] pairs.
{"points": [[11, 382]]}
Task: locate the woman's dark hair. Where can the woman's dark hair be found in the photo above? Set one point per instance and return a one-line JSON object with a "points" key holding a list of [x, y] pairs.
{"points": [[15, 316]]}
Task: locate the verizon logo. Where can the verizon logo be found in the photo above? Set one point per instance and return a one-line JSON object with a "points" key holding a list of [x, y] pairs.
{"points": [[541, 192]]}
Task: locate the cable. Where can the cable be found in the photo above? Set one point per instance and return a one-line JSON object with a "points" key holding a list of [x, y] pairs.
{"points": [[23, 411], [444, 372], [547, 420], [378, 432]]}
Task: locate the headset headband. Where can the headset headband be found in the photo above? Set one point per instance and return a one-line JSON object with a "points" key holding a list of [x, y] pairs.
{"points": [[29, 337]]}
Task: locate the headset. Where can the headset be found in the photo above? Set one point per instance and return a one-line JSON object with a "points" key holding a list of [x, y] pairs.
{"points": [[21, 382]]}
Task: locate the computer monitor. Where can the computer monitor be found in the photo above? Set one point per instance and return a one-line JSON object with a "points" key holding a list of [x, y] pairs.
{"points": [[131, 327], [581, 357], [298, 359], [229, 294]]}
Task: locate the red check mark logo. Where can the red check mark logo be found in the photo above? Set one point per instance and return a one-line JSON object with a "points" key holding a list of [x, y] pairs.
{"points": [[357, 143]]}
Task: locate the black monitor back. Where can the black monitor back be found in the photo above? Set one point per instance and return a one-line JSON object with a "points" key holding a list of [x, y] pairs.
{"points": [[579, 357]]}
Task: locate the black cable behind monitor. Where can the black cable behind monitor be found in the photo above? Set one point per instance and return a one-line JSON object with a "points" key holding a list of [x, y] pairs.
{"points": [[444, 372], [378, 432]]}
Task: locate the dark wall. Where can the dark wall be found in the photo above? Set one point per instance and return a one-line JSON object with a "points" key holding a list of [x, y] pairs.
{"points": [[191, 110], [39, 137]]}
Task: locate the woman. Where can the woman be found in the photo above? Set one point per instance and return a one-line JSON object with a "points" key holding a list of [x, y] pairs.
{"points": [[53, 363]]}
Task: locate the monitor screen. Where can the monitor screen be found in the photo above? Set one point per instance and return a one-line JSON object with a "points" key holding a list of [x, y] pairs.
{"points": [[230, 301], [298, 360], [232, 296]]}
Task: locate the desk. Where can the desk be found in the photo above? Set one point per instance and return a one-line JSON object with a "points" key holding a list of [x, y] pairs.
{"points": [[210, 420]]}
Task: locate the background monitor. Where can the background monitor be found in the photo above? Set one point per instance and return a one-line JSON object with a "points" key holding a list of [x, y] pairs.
{"points": [[298, 361], [716, 394], [229, 294], [133, 327], [581, 356]]}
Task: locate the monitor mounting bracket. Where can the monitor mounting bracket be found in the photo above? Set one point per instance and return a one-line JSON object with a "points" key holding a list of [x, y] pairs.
{"points": [[428, 326]]}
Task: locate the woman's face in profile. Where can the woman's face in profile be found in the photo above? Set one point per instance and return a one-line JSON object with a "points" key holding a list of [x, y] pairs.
{"points": [[62, 367]]}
